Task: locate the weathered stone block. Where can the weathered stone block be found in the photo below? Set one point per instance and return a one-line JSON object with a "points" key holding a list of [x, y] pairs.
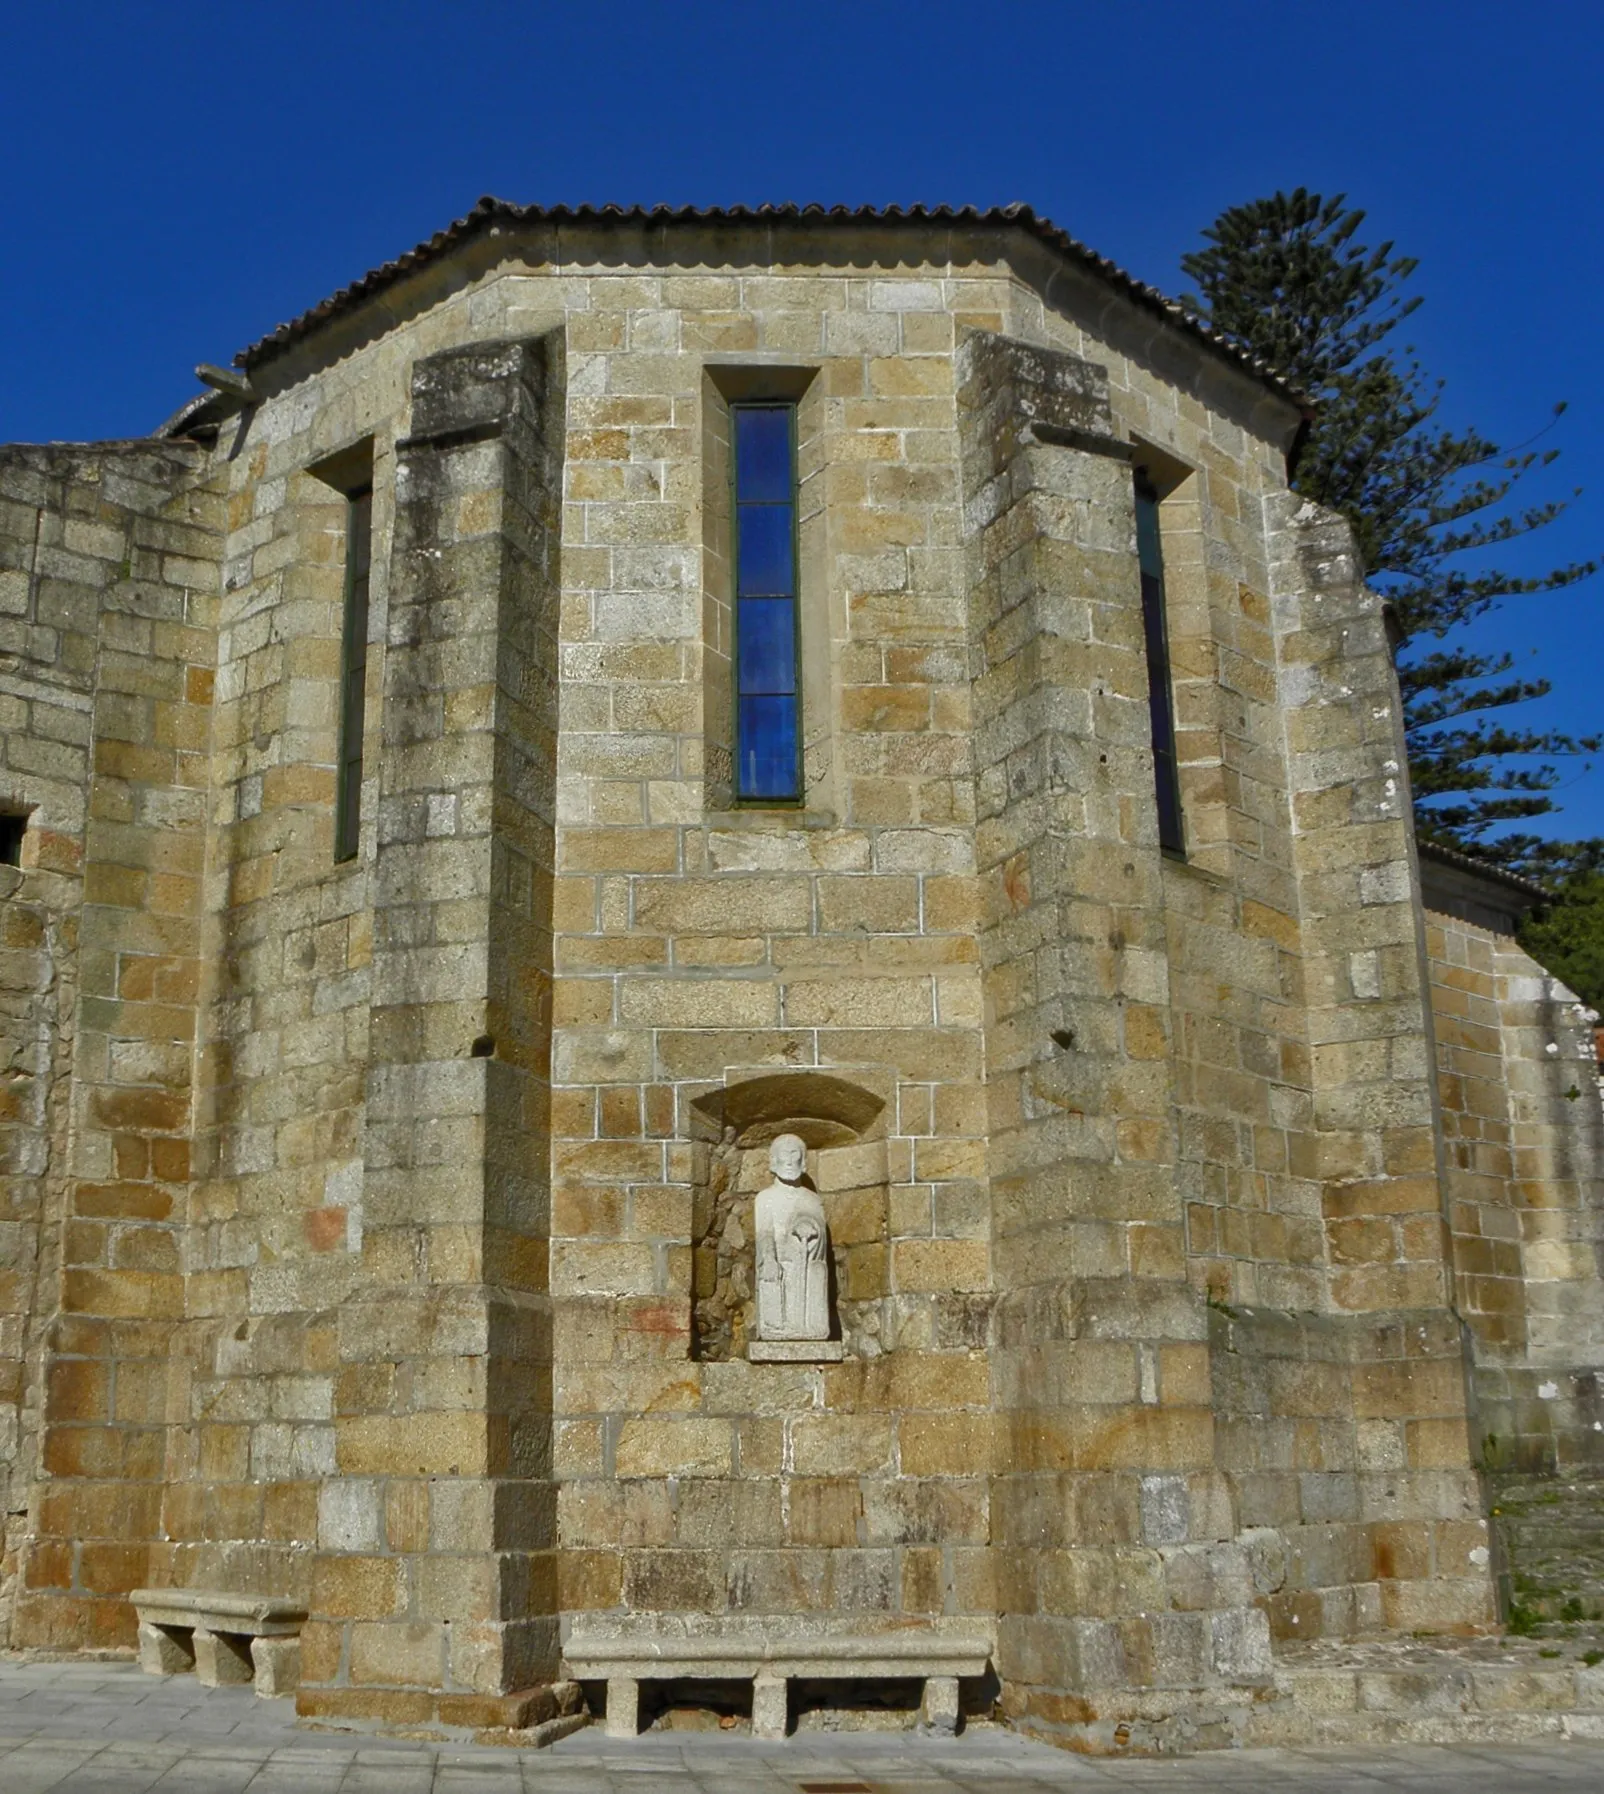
{"points": [[164, 1653], [276, 1666], [222, 1658]]}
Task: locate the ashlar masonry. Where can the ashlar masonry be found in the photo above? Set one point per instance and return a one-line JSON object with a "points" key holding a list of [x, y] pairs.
{"points": [[612, 689]]}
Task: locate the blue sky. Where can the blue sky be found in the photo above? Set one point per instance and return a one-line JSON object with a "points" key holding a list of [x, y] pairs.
{"points": [[177, 179]]}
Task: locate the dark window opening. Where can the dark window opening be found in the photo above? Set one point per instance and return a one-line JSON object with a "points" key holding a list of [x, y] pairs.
{"points": [[1161, 701], [768, 696], [13, 826], [353, 673]]}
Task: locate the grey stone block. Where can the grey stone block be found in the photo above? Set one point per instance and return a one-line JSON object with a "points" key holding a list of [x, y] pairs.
{"points": [[939, 1709], [623, 1707], [771, 1706]]}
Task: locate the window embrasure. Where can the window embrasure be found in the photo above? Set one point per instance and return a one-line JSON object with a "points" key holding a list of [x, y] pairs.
{"points": [[1160, 691], [353, 672], [13, 832], [350, 473], [767, 703], [768, 689]]}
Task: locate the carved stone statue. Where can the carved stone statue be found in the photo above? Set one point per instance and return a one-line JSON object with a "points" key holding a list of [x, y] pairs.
{"points": [[793, 1270]]}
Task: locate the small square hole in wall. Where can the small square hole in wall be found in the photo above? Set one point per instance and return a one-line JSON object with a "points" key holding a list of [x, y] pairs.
{"points": [[13, 826]]}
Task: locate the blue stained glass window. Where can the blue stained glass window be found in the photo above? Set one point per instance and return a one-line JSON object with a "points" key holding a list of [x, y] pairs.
{"points": [[764, 551], [765, 630], [763, 454], [768, 760], [768, 744]]}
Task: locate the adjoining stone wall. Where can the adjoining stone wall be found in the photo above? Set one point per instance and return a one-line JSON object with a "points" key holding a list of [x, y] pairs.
{"points": [[109, 563], [1523, 1144], [45, 704], [275, 1214]]}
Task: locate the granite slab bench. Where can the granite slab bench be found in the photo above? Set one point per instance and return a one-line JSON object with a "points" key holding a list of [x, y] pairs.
{"points": [[226, 1639], [772, 1659]]}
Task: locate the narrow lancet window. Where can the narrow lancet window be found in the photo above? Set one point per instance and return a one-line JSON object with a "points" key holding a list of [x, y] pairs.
{"points": [[353, 673], [768, 697], [1161, 702]]}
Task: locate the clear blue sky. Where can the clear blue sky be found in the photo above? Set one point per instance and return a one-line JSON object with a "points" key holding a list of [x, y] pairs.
{"points": [[179, 178]]}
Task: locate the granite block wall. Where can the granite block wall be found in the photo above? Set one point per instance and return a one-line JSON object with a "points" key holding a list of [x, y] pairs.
{"points": [[381, 1227], [110, 557], [1523, 1156]]}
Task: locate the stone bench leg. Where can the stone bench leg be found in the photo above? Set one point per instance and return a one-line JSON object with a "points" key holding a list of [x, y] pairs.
{"points": [[277, 1663], [623, 1707], [940, 1709], [771, 1706], [222, 1659], [162, 1653]]}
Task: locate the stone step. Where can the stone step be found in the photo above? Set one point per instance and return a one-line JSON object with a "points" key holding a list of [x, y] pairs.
{"points": [[1575, 1510], [1518, 1484], [1542, 1566], [1572, 1516], [1560, 1573], [1557, 1538], [1429, 1692]]}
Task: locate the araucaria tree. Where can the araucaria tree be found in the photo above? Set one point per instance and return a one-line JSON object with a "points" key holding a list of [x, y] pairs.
{"points": [[1288, 279]]}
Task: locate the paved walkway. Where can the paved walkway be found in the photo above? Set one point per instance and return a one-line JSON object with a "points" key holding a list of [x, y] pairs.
{"points": [[104, 1728]]}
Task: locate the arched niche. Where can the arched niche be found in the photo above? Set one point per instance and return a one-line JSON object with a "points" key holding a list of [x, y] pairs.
{"points": [[842, 1119], [824, 1109]]}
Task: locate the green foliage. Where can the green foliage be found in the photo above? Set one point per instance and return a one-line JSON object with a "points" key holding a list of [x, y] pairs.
{"points": [[1523, 1621], [1287, 277], [1567, 936]]}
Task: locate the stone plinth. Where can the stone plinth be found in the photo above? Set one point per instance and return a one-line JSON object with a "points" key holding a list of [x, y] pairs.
{"points": [[795, 1351]]}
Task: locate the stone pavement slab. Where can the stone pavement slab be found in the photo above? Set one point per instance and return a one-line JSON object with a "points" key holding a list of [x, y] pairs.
{"points": [[106, 1728]]}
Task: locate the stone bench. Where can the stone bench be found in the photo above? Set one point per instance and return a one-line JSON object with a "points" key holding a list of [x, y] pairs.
{"points": [[772, 1658], [224, 1638]]}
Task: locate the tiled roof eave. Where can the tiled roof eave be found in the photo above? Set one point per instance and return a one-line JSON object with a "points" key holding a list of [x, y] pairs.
{"points": [[1479, 868], [491, 215]]}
